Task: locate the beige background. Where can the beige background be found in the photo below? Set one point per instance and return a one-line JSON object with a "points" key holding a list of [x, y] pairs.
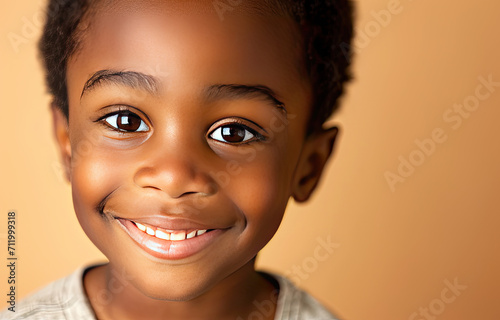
{"points": [[394, 250]]}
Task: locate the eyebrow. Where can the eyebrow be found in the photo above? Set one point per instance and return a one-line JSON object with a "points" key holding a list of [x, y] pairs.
{"points": [[240, 91], [132, 79], [138, 80]]}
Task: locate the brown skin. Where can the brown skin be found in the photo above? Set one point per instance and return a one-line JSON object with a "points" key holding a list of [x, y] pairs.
{"points": [[173, 168]]}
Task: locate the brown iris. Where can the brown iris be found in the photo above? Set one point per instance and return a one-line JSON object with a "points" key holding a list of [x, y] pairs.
{"points": [[128, 121], [233, 133]]}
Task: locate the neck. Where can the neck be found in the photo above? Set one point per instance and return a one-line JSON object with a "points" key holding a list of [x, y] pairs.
{"points": [[236, 297]]}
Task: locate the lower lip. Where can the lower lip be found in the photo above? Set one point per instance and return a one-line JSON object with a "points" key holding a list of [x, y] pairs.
{"points": [[166, 249]]}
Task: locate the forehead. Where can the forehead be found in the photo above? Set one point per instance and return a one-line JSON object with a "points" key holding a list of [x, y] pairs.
{"points": [[193, 42]]}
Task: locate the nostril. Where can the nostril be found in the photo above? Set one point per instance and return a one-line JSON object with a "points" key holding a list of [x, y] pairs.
{"points": [[175, 177], [187, 193]]}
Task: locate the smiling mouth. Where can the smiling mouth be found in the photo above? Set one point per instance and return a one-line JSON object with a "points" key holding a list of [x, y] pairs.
{"points": [[170, 244], [164, 234]]}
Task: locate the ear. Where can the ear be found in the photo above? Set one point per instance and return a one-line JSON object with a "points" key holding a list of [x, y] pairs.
{"points": [[61, 133], [316, 151]]}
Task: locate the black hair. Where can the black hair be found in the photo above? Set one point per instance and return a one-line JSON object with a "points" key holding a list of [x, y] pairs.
{"points": [[326, 29]]}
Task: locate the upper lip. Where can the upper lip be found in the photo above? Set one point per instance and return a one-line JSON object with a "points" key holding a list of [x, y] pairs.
{"points": [[171, 223], [168, 215]]}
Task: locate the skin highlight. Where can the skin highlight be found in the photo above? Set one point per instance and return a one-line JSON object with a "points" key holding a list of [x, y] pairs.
{"points": [[171, 170]]}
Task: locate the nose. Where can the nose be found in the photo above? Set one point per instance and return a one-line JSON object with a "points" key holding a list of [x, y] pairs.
{"points": [[175, 170]]}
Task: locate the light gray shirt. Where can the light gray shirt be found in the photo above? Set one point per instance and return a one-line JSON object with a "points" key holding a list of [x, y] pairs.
{"points": [[65, 299]]}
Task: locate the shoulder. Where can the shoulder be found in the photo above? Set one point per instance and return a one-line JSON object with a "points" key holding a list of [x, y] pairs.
{"points": [[296, 304], [62, 299]]}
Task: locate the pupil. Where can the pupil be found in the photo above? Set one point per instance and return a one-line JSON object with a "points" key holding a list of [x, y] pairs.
{"points": [[129, 122], [233, 133]]}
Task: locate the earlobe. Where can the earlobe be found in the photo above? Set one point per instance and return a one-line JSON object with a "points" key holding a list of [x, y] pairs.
{"points": [[61, 134], [316, 151]]}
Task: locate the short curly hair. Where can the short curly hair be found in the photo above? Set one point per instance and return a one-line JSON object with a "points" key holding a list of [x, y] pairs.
{"points": [[326, 34]]}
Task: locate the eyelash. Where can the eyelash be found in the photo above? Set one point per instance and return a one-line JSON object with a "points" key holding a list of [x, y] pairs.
{"points": [[122, 112], [256, 136]]}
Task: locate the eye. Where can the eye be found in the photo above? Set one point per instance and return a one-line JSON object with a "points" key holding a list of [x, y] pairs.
{"points": [[126, 121], [232, 133]]}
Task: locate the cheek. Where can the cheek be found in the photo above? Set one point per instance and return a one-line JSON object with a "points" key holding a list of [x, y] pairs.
{"points": [[93, 177], [261, 191]]}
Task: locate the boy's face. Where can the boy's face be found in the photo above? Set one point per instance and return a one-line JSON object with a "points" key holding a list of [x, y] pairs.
{"points": [[170, 145]]}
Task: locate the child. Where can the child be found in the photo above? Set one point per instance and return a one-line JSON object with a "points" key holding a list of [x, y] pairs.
{"points": [[184, 128]]}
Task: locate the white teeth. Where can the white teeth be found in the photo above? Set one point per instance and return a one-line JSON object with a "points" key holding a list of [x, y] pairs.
{"points": [[150, 231], [178, 236], [165, 235], [162, 235]]}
